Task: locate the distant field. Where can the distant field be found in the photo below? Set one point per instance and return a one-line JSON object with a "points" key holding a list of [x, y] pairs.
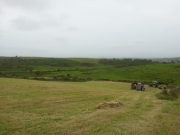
{"points": [[30, 107], [124, 70], [163, 73]]}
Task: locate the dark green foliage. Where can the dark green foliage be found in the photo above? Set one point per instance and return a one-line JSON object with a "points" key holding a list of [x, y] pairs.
{"points": [[37, 73], [24, 63], [86, 64], [119, 63]]}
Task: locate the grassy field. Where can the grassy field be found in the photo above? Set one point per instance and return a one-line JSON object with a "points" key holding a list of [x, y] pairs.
{"points": [[30, 107], [124, 70]]}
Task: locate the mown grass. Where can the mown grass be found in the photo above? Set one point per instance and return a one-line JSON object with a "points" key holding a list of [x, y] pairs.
{"points": [[39, 107]]}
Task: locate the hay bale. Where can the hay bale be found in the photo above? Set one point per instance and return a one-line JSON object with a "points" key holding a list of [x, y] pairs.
{"points": [[162, 87], [111, 104]]}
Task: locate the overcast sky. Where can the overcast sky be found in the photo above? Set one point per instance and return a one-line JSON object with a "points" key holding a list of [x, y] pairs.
{"points": [[90, 28]]}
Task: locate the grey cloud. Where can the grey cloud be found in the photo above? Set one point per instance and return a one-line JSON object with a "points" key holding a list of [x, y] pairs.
{"points": [[28, 5], [0, 33], [25, 23], [53, 21], [98, 28], [61, 39], [139, 41], [1, 12], [20, 51], [22, 23], [73, 29]]}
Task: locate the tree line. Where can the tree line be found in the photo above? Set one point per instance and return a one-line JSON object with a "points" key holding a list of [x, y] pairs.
{"points": [[125, 62]]}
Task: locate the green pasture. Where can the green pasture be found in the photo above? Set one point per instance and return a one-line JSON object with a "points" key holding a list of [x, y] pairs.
{"points": [[164, 73], [85, 60], [30, 107]]}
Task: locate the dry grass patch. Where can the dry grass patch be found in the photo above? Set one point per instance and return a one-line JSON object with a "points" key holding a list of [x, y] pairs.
{"points": [[111, 104]]}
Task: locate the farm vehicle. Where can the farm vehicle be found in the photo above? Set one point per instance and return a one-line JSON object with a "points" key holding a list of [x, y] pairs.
{"points": [[137, 86], [153, 84]]}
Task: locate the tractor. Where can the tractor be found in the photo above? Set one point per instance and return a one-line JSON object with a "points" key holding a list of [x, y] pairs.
{"points": [[153, 84], [137, 86]]}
